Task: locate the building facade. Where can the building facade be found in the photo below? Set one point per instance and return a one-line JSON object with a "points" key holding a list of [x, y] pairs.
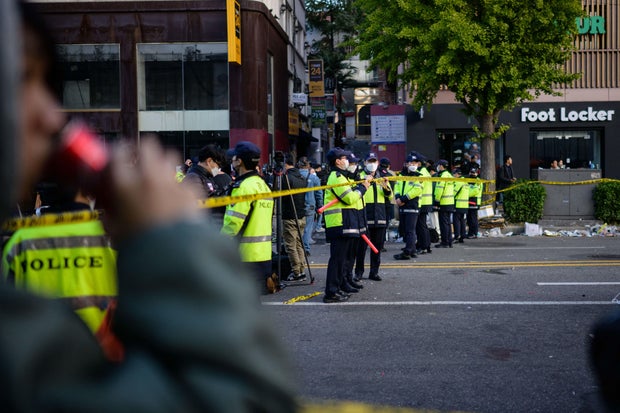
{"points": [[581, 127], [164, 67]]}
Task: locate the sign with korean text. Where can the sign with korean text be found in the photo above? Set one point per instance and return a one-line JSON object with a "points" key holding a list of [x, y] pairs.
{"points": [[315, 72], [388, 124]]}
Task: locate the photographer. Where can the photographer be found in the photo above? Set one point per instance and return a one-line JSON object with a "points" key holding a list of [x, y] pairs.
{"points": [[293, 219], [194, 338]]}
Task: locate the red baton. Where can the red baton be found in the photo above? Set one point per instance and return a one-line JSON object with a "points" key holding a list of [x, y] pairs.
{"points": [[324, 207], [370, 244]]}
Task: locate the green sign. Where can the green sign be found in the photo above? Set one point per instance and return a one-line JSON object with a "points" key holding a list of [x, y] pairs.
{"points": [[590, 25], [318, 115]]}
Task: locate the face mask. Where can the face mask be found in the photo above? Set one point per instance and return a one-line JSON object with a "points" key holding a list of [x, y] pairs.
{"points": [[437, 169], [352, 168], [412, 168], [345, 164], [371, 167], [215, 171]]}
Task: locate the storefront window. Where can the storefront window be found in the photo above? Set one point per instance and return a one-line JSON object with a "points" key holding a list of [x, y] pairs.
{"points": [[459, 148], [574, 148], [90, 75], [183, 76]]}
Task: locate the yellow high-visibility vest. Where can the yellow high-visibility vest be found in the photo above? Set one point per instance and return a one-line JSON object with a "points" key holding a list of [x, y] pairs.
{"points": [[74, 263]]}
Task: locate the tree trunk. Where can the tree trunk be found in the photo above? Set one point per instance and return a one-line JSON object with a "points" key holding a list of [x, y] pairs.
{"points": [[487, 156]]}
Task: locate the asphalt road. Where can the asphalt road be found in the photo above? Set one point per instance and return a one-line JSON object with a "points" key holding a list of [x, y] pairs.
{"points": [[492, 325]]}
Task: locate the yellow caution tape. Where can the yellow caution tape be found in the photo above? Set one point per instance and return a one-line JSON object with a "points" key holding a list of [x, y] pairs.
{"points": [[13, 225], [302, 298], [55, 219]]}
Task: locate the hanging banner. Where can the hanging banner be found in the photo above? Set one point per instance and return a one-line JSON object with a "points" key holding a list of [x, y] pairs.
{"points": [[317, 85]]}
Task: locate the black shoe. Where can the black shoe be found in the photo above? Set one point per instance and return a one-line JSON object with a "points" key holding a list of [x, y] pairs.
{"points": [[355, 284], [336, 298], [295, 277], [460, 241], [429, 251], [349, 289], [375, 277], [414, 255], [343, 294], [442, 246], [357, 278], [401, 256], [383, 249]]}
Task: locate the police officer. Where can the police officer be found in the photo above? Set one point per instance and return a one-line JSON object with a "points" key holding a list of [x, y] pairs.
{"points": [[475, 199], [250, 221], [444, 201], [376, 199], [425, 206], [353, 174], [407, 197], [461, 206], [341, 222]]}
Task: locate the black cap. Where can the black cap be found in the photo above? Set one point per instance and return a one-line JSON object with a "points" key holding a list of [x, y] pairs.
{"points": [[372, 155], [412, 158], [419, 156], [248, 152], [352, 158], [336, 153], [443, 163], [385, 162]]}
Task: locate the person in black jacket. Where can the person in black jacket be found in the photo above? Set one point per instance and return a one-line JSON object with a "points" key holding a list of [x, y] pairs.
{"points": [[293, 219], [505, 177]]}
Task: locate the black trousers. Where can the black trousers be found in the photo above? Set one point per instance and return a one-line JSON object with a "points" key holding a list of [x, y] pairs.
{"points": [[376, 235], [472, 222], [410, 220], [459, 223], [339, 249], [421, 228], [445, 227]]}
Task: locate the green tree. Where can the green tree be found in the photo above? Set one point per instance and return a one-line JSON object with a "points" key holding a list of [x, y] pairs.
{"points": [[492, 54]]}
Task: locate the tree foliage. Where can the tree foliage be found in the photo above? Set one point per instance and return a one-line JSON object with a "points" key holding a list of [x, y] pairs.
{"points": [[492, 54]]}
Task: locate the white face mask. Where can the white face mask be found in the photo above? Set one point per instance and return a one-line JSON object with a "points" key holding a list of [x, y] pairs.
{"points": [[351, 168], [215, 171], [371, 167], [412, 168], [345, 164]]}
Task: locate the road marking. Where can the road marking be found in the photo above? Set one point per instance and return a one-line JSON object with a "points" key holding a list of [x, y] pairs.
{"points": [[429, 303], [533, 248], [581, 283], [488, 264]]}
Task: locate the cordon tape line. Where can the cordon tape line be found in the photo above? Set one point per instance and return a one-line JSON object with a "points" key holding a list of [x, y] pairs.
{"points": [[83, 216], [13, 225], [302, 298]]}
